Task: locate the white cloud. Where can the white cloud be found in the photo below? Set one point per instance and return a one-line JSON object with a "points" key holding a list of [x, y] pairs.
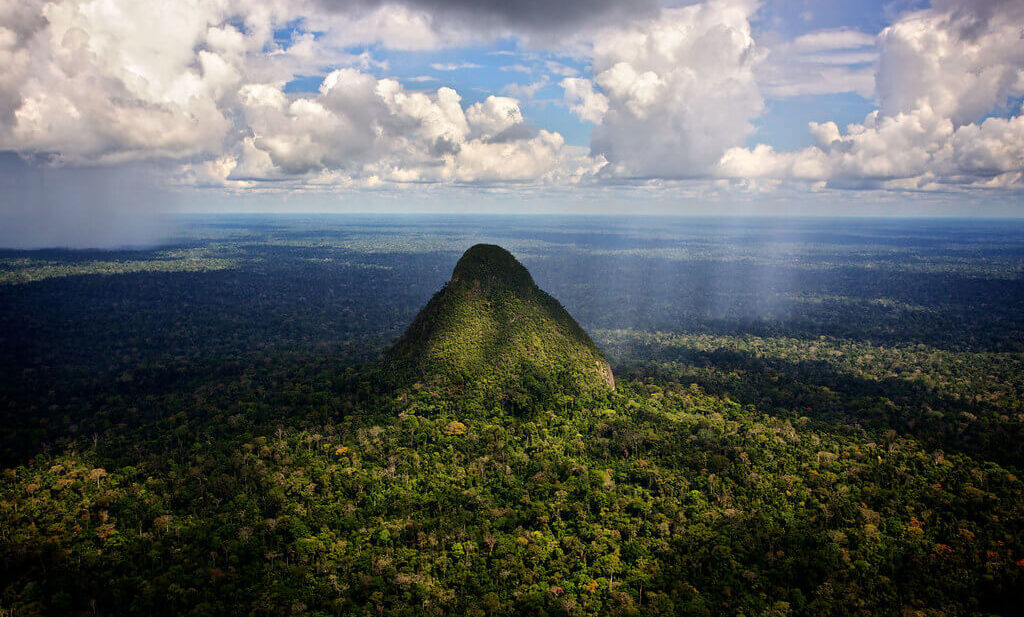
{"points": [[527, 91], [557, 68], [484, 161], [494, 115], [393, 26], [829, 40], [107, 81], [455, 66], [842, 58], [928, 57], [95, 81], [941, 71], [822, 62], [820, 80], [675, 92], [583, 101], [363, 127], [922, 149]]}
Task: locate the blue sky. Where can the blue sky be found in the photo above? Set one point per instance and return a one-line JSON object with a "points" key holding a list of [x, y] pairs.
{"points": [[719, 106], [477, 71]]}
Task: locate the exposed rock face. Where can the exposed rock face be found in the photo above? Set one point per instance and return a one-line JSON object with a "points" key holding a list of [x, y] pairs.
{"points": [[491, 322], [606, 372]]}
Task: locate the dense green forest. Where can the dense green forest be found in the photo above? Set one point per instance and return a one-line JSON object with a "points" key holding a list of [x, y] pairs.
{"points": [[809, 418]]}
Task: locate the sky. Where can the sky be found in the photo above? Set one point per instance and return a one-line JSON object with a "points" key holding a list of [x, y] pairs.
{"points": [[114, 113]]}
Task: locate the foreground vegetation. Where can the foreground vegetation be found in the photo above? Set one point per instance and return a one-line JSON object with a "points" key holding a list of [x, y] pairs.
{"points": [[291, 490]]}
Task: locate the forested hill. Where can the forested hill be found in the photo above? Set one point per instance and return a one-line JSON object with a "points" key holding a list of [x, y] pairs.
{"points": [[491, 326]]}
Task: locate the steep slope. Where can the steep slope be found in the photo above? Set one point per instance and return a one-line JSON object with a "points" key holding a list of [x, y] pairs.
{"points": [[491, 324]]}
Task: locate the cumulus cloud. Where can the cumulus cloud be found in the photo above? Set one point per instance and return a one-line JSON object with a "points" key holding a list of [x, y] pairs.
{"points": [[367, 127], [85, 84], [884, 148], [202, 81], [111, 82], [676, 92], [583, 100], [943, 60], [494, 115], [941, 72]]}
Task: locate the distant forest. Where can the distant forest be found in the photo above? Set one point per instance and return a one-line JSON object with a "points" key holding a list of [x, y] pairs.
{"points": [[811, 417]]}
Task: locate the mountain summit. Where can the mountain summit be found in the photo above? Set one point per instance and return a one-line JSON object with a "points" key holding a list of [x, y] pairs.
{"points": [[491, 325]]}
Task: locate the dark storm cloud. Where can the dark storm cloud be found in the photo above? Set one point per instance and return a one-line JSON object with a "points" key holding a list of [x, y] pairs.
{"points": [[522, 16], [973, 17]]}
